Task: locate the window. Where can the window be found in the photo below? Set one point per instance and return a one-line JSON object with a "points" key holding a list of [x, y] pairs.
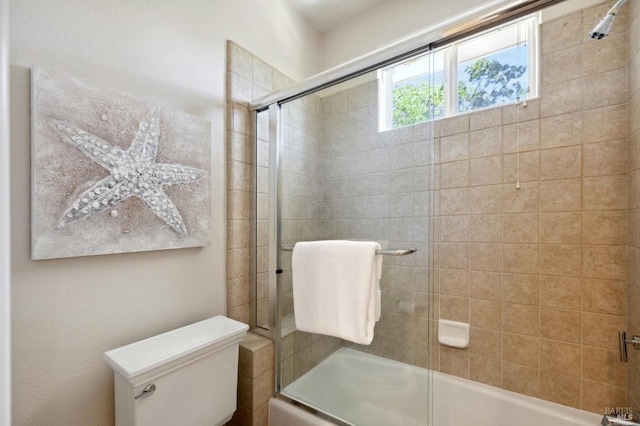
{"points": [[494, 68]]}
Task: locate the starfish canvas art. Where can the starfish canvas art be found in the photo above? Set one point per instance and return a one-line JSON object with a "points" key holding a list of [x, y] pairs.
{"points": [[114, 174]]}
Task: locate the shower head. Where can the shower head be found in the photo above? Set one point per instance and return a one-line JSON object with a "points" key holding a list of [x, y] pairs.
{"points": [[603, 28]]}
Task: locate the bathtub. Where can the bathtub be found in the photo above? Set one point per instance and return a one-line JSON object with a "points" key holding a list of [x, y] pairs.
{"points": [[363, 389]]}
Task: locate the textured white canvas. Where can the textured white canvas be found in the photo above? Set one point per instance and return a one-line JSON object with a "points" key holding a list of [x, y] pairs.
{"points": [[113, 174]]}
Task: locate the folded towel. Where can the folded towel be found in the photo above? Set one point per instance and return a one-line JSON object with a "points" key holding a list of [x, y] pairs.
{"points": [[336, 288]]}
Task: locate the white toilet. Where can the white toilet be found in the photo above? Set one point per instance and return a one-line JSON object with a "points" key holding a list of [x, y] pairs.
{"points": [[186, 377]]}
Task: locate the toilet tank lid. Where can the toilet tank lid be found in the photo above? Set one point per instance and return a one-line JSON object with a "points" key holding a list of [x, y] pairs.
{"points": [[142, 356]]}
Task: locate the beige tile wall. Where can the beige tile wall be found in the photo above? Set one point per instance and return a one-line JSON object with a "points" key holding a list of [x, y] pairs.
{"points": [[255, 381], [633, 289], [373, 186], [540, 272], [248, 78], [376, 187]]}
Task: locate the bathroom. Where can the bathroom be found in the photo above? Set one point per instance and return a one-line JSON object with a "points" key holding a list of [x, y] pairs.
{"points": [[67, 312]]}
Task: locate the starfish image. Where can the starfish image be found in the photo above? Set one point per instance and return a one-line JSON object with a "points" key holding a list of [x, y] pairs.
{"points": [[132, 173]]}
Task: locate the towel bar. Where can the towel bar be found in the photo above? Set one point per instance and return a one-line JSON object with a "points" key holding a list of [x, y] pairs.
{"points": [[394, 252]]}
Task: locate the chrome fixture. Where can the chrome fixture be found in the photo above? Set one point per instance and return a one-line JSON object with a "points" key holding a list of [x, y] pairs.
{"points": [[393, 252], [609, 420], [603, 28], [147, 391], [622, 337]]}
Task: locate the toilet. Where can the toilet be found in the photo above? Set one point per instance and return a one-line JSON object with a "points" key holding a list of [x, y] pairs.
{"points": [[187, 376]]}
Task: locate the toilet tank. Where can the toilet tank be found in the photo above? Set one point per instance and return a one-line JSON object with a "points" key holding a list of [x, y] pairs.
{"points": [[190, 375]]}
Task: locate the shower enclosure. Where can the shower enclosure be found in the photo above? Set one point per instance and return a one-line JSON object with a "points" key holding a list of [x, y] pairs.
{"points": [[333, 175], [327, 169]]}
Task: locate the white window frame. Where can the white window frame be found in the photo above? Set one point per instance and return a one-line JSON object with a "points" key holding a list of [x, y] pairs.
{"points": [[450, 107]]}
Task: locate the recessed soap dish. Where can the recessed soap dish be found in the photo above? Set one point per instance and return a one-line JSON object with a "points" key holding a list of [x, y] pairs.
{"points": [[453, 333]]}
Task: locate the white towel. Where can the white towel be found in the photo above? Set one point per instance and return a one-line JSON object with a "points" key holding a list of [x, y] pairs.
{"points": [[336, 288]]}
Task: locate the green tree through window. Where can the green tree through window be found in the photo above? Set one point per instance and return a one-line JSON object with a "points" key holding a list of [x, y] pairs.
{"points": [[412, 103], [488, 83]]}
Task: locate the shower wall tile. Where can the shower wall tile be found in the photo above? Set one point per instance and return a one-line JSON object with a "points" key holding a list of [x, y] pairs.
{"points": [[601, 330], [454, 201], [454, 125], [562, 260], [485, 314], [520, 349], [561, 163], [561, 98], [606, 88], [604, 227], [561, 130], [520, 228], [562, 65], [594, 358], [605, 158], [455, 147], [485, 119], [484, 171], [594, 393], [605, 124], [560, 292], [561, 33], [454, 175], [561, 228], [606, 262], [454, 361], [485, 257], [521, 200], [609, 55], [482, 200], [485, 228], [520, 258], [486, 285], [634, 111], [454, 308], [520, 378], [560, 324], [485, 370], [521, 319], [560, 357], [634, 185], [561, 195], [560, 388], [529, 110], [634, 45], [634, 236], [523, 167], [521, 137], [452, 228], [486, 343], [486, 142], [522, 289]]}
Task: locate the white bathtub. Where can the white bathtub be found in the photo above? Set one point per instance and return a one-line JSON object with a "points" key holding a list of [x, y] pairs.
{"points": [[366, 390]]}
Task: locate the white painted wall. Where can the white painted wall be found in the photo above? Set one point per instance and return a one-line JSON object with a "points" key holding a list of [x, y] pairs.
{"points": [[67, 312], [5, 226], [387, 22], [392, 20]]}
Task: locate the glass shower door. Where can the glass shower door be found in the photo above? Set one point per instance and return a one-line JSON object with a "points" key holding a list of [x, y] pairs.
{"points": [[334, 175]]}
